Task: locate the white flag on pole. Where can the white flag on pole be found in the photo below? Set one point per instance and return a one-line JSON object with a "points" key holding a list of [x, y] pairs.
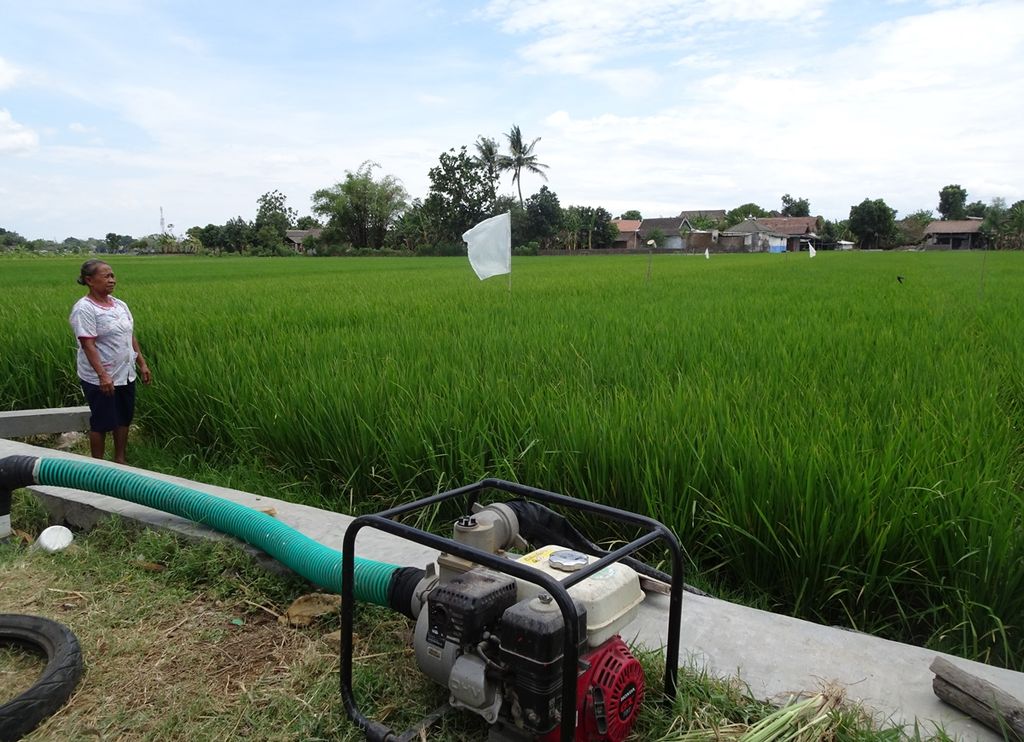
{"points": [[707, 253], [811, 250], [490, 246]]}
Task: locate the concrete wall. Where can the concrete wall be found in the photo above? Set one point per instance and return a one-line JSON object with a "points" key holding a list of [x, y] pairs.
{"points": [[23, 423], [734, 243]]}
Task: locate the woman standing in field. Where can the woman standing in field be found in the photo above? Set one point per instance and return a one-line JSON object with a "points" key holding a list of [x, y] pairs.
{"points": [[107, 356]]}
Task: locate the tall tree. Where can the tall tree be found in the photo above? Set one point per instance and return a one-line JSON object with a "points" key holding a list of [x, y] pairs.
{"points": [[740, 213], [359, 210], [994, 222], [1011, 233], [488, 156], [605, 233], [237, 235], [795, 206], [873, 222], [117, 242], [702, 222], [10, 239], [213, 238], [273, 210], [632, 214], [588, 227], [952, 202], [273, 219], [521, 157], [976, 208], [572, 223], [412, 230], [910, 229], [833, 232], [543, 217], [461, 194]]}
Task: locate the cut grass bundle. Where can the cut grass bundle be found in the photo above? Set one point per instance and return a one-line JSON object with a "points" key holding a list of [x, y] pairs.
{"points": [[809, 719]]}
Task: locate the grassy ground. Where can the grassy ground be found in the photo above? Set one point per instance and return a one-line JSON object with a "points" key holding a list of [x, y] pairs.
{"points": [[182, 641]]}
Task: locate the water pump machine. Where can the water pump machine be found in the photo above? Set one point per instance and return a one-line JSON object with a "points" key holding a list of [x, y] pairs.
{"points": [[526, 638]]}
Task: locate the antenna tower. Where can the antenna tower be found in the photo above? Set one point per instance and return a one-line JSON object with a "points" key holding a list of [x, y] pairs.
{"points": [[163, 229]]}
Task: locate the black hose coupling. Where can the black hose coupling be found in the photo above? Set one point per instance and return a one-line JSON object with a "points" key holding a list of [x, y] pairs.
{"points": [[15, 472]]}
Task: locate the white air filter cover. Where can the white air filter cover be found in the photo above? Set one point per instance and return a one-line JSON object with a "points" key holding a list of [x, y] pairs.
{"points": [[610, 596], [54, 539]]}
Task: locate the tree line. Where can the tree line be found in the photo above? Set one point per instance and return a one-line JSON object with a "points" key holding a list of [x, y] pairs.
{"points": [[371, 212], [367, 212], [875, 225]]}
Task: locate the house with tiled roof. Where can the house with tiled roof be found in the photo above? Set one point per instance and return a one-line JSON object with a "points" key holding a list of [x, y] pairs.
{"points": [[669, 227], [767, 231], [295, 237], [629, 233], [691, 219], [955, 234]]}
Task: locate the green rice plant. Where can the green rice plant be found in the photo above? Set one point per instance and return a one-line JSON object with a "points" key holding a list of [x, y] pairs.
{"points": [[824, 439]]}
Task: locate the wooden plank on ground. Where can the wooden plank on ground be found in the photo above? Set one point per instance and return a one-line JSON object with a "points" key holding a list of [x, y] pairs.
{"points": [[989, 704]]}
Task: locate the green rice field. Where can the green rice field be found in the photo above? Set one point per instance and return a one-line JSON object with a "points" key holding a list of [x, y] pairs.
{"points": [[843, 446]]}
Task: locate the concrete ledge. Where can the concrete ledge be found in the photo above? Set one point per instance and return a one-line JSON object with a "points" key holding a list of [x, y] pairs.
{"points": [[21, 423], [773, 655]]}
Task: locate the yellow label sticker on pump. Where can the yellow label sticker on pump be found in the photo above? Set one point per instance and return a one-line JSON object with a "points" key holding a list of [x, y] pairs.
{"points": [[540, 556]]}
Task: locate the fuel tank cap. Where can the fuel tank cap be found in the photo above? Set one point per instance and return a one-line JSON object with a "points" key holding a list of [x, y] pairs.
{"points": [[568, 560]]}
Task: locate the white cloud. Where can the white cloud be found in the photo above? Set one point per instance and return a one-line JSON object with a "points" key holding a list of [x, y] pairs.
{"points": [[15, 138], [893, 114], [963, 47], [591, 37], [9, 74], [188, 44], [79, 128], [429, 99], [633, 81]]}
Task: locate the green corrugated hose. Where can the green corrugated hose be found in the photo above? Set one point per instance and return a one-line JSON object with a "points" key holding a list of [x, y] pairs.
{"points": [[314, 561]]}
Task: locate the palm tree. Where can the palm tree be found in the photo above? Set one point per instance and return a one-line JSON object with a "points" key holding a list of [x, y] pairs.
{"points": [[488, 155], [519, 158]]}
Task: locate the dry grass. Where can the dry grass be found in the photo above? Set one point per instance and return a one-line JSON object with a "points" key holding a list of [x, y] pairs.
{"points": [[159, 664], [181, 641], [18, 670]]}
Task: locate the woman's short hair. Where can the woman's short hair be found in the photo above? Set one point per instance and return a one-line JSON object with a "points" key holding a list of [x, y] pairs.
{"points": [[89, 267]]}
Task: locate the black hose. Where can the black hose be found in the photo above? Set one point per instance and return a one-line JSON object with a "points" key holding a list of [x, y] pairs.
{"points": [[539, 525], [16, 472]]}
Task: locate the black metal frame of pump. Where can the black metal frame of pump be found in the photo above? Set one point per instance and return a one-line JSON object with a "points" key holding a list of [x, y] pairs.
{"points": [[557, 589]]}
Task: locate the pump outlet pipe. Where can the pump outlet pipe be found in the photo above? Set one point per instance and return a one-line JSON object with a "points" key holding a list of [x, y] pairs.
{"points": [[373, 582]]}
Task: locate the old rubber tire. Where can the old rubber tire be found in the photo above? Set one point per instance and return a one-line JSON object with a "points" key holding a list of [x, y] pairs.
{"points": [[25, 712]]}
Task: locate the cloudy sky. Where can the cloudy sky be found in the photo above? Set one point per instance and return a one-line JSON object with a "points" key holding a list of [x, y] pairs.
{"points": [[112, 109]]}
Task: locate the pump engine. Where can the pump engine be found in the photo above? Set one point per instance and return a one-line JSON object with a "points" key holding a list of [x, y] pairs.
{"points": [[498, 645]]}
